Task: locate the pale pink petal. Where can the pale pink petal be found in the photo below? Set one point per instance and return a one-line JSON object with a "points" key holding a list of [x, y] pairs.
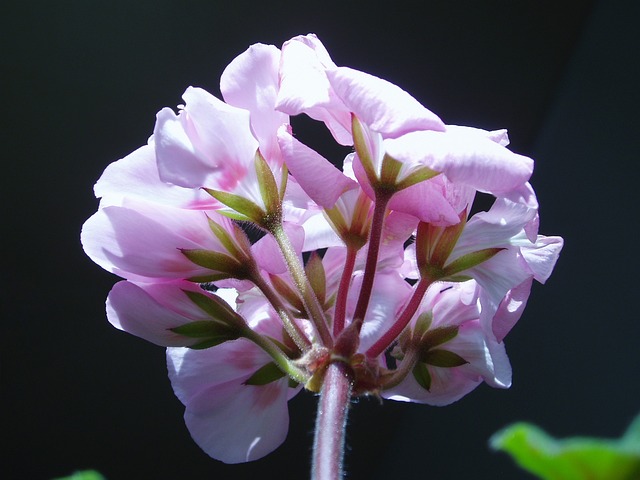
{"points": [[250, 82], [136, 175], [319, 178], [425, 201], [149, 311], [383, 106], [237, 423], [206, 137], [390, 292], [447, 386], [268, 254], [465, 157], [145, 240], [304, 87], [542, 256], [510, 309], [229, 420]]}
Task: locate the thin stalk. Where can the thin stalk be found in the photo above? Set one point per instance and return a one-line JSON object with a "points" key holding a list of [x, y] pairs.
{"points": [[279, 357], [400, 373], [343, 290], [377, 222], [403, 320], [309, 298], [331, 422], [293, 329]]}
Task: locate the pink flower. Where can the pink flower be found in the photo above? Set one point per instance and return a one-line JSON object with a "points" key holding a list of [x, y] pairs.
{"points": [[454, 354], [236, 410], [247, 324], [156, 311], [141, 240]]}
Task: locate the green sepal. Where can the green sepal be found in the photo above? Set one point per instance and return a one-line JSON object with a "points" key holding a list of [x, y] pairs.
{"points": [[267, 184], [419, 175], [212, 342], [422, 375], [360, 145], [202, 329], [214, 277], [423, 322], [442, 358], [264, 375], [212, 260], [247, 210], [284, 180], [389, 172], [225, 239], [215, 307], [314, 270], [572, 458], [293, 383], [289, 294], [439, 335], [470, 260]]}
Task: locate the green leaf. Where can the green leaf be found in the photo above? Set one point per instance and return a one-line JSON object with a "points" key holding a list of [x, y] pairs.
{"points": [[442, 358], [264, 375], [247, 209], [422, 375], [83, 475], [573, 458]]}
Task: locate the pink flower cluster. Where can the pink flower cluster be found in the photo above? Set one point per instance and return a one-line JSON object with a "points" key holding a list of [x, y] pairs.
{"points": [[379, 265]]}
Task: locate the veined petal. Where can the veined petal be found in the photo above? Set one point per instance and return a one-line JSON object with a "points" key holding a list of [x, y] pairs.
{"points": [[136, 175], [319, 178], [150, 311], [237, 423], [250, 82], [205, 143], [145, 239], [465, 157], [383, 106], [304, 87]]}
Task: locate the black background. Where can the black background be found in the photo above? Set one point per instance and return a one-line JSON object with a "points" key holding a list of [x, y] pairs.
{"points": [[81, 83]]}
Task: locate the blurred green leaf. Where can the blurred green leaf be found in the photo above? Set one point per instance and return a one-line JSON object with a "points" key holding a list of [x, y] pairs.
{"points": [[83, 475], [576, 458]]}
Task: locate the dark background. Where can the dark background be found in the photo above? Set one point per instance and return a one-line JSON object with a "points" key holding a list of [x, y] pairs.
{"points": [[81, 83]]}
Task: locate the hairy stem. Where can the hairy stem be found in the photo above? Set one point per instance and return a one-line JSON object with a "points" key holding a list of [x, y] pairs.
{"points": [[292, 328], [331, 422], [279, 357], [309, 298]]}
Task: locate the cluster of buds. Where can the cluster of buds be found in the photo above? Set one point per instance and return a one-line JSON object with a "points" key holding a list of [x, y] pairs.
{"points": [[258, 262]]}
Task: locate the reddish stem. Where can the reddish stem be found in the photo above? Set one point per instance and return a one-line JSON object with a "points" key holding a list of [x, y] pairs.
{"points": [[377, 223], [343, 290], [403, 320]]}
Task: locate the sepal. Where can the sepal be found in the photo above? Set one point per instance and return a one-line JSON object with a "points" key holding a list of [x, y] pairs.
{"points": [[265, 375]]}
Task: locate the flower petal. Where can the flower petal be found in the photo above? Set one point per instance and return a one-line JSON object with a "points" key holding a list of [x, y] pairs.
{"points": [[318, 177], [383, 106]]}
